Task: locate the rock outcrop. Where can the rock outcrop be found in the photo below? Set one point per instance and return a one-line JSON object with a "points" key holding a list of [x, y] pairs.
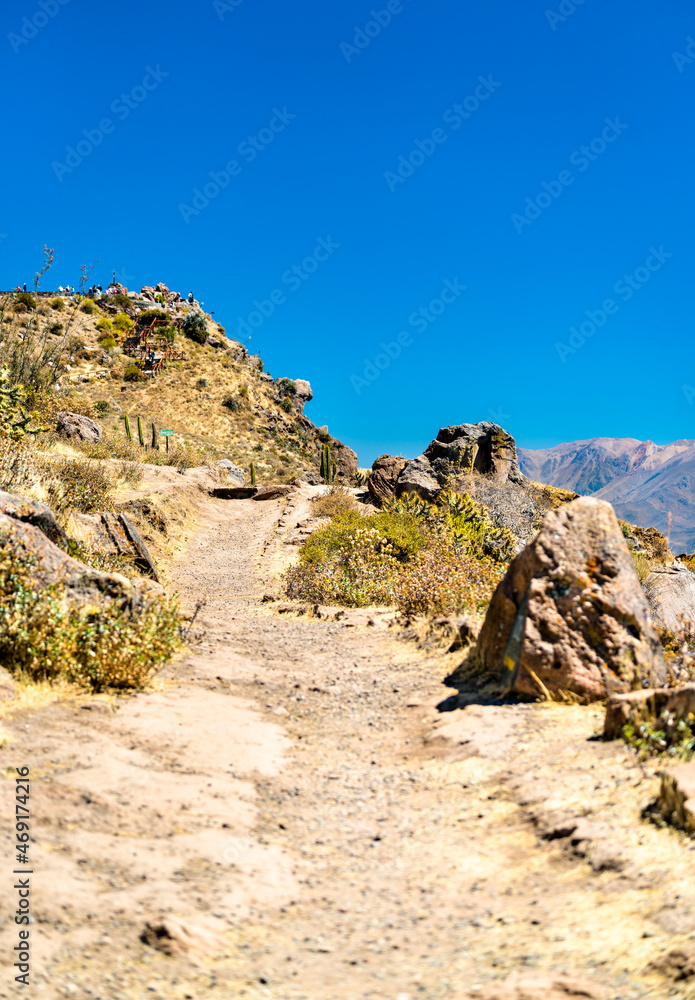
{"points": [[75, 427], [484, 448], [33, 512], [670, 591], [234, 473], [570, 614], [79, 585], [384, 476]]}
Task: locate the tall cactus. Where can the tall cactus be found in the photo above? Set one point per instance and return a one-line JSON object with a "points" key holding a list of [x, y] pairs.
{"points": [[141, 433], [253, 474], [155, 443], [128, 432], [322, 469]]}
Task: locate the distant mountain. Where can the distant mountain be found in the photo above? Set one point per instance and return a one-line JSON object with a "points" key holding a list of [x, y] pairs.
{"points": [[644, 481]]}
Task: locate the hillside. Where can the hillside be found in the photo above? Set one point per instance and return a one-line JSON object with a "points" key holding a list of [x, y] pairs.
{"points": [[644, 481], [214, 395]]}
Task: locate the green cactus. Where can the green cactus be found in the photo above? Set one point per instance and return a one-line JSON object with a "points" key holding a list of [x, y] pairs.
{"points": [[326, 465], [14, 421], [141, 434], [253, 474], [334, 471], [322, 469], [128, 432], [155, 442]]}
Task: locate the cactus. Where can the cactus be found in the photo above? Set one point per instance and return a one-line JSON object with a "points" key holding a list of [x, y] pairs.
{"points": [[141, 435], [334, 471], [14, 421], [326, 465], [253, 474], [128, 432], [155, 442], [322, 469]]}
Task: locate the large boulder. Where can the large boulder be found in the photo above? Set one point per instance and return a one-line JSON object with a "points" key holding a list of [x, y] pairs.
{"points": [[346, 460], [484, 447], [570, 614], [302, 393], [78, 585], [75, 427], [33, 512], [385, 472], [670, 592]]}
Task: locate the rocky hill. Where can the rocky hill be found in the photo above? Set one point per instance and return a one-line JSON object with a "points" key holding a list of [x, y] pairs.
{"points": [[214, 395], [644, 481]]}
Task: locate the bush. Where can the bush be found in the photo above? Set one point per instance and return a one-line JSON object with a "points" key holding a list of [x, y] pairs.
{"points": [[147, 315], [107, 647], [443, 581], [123, 323], [286, 405], [134, 374], [286, 387], [78, 484], [202, 383], [104, 325], [89, 306], [338, 500], [243, 391], [119, 300], [27, 300], [195, 327], [56, 328], [57, 304], [102, 407], [231, 403], [20, 307], [107, 343]]}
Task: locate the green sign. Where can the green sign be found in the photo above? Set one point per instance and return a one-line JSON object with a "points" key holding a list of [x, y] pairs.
{"points": [[166, 434]]}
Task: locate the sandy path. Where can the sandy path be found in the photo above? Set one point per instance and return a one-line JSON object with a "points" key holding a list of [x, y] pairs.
{"points": [[291, 794]]}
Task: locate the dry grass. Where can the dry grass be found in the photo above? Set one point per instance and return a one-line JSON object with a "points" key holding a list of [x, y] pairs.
{"points": [[336, 500]]}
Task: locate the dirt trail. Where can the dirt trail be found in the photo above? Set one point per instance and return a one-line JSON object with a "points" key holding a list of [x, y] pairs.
{"points": [[292, 795]]}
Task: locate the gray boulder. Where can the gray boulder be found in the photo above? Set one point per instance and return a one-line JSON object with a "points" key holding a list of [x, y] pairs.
{"points": [[570, 614], [33, 512], [670, 591], [418, 477], [75, 427], [234, 473]]}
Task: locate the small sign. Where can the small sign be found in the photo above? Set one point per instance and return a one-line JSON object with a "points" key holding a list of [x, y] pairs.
{"points": [[166, 434]]}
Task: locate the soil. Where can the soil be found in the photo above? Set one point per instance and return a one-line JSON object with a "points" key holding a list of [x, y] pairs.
{"points": [[299, 808]]}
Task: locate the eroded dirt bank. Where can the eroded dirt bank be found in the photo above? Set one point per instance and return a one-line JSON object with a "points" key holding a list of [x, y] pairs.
{"points": [[290, 794]]}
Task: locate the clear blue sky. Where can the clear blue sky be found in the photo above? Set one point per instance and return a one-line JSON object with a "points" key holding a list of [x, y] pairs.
{"points": [[332, 113]]}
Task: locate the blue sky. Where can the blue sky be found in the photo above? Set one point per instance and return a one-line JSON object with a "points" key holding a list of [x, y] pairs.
{"points": [[400, 188]]}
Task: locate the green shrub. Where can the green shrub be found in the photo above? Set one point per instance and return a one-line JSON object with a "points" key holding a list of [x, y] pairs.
{"points": [[104, 325], [134, 374], [56, 328], [442, 580], [123, 323], [286, 387], [195, 327], [243, 391], [286, 405], [102, 407], [107, 343], [231, 403], [147, 315], [57, 304], [120, 300], [107, 647], [89, 306]]}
